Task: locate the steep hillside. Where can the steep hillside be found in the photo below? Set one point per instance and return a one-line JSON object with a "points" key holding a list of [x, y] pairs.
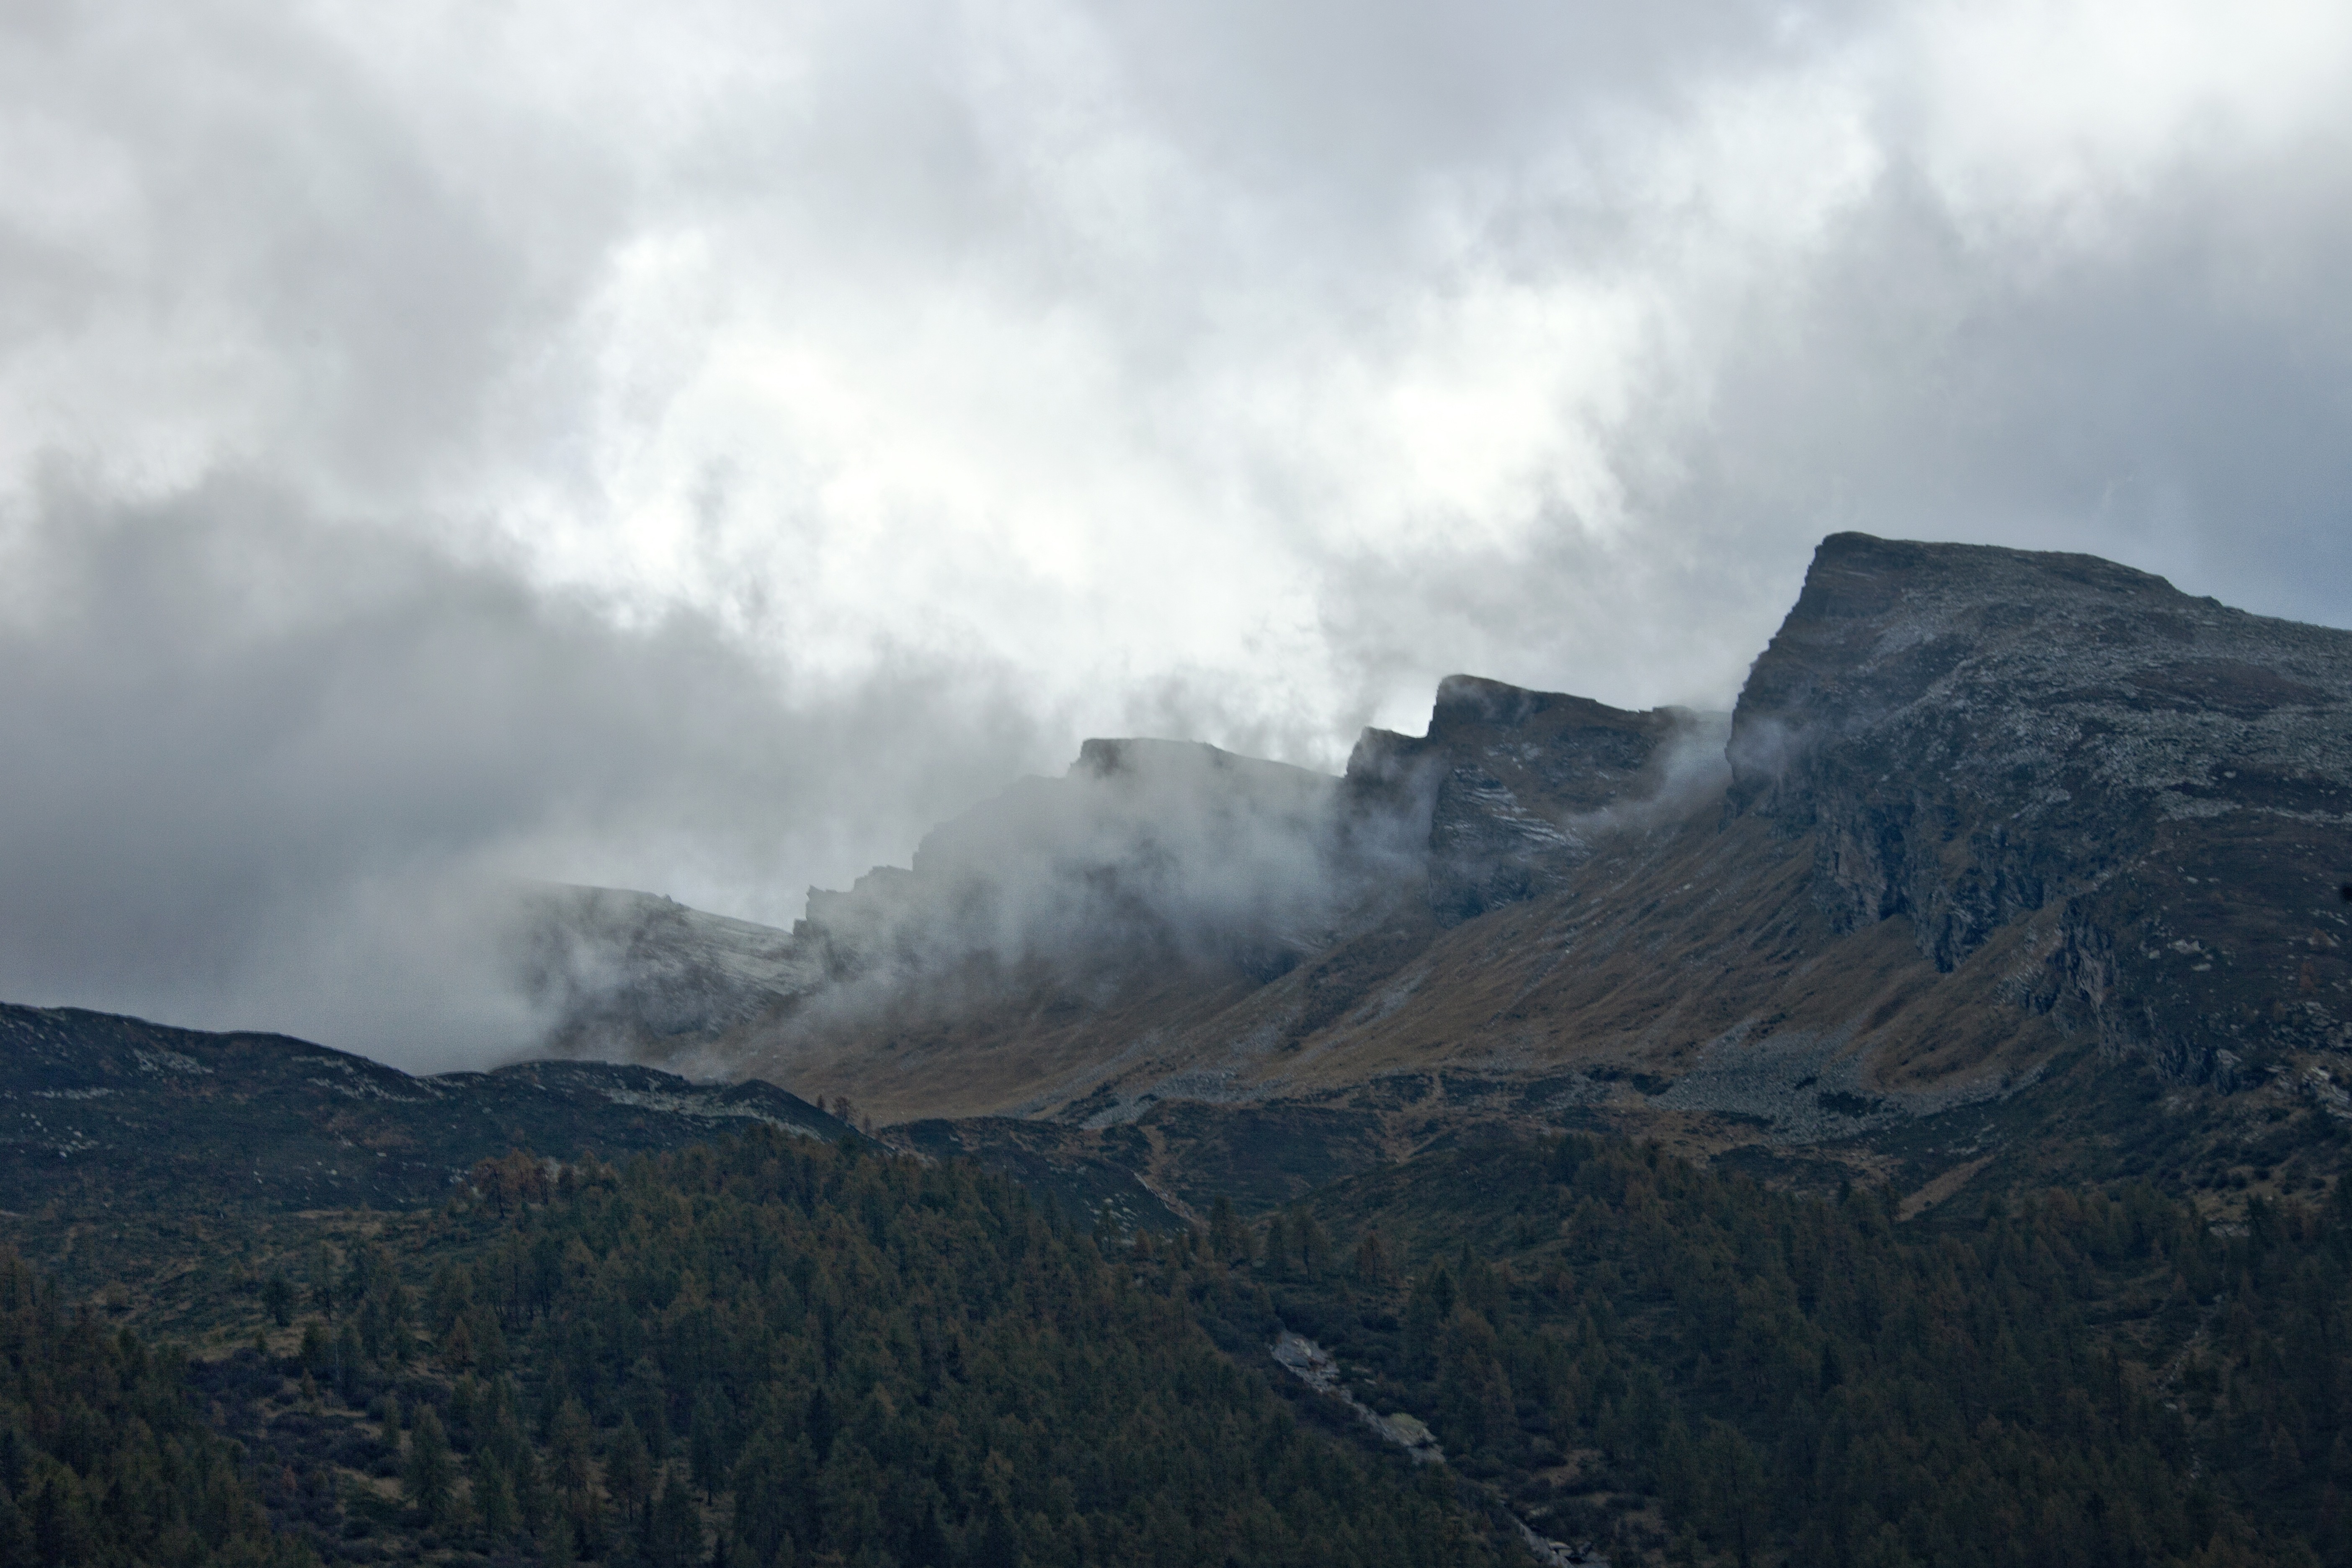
{"points": [[1987, 821]]}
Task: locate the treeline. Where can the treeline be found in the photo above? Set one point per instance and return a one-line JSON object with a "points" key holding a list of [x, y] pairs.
{"points": [[770, 1352], [102, 1457], [2065, 1380]]}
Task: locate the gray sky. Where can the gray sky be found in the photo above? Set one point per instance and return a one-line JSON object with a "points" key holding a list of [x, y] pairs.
{"points": [[698, 446]]}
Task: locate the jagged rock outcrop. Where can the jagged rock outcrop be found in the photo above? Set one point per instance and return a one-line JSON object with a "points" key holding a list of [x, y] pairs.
{"points": [[1516, 785], [1972, 733], [1146, 854], [1990, 827], [621, 973]]}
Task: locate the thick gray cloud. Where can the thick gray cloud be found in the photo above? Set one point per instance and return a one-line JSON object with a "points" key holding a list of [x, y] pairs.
{"points": [[699, 447], [265, 774]]}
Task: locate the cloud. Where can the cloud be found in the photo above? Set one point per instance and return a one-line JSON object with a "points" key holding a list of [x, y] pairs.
{"points": [[701, 446], [266, 772]]}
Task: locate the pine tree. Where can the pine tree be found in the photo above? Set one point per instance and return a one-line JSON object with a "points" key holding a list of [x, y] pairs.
{"points": [[629, 1471], [706, 1445], [673, 1535], [430, 1473], [278, 1300], [1227, 1240], [494, 1498]]}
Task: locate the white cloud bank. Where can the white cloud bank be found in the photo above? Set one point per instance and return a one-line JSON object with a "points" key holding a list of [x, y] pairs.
{"points": [[831, 412]]}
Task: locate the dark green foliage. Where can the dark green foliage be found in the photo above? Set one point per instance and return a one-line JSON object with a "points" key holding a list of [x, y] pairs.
{"points": [[629, 1472], [102, 1460], [886, 1360], [774, 1351], [673, 1529], [430, 1474], [278, 1300], [2070, 1380], [707, 1441]]}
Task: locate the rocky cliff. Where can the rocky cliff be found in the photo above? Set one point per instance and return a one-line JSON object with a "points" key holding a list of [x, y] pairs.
{"points": [[1969, 735], [1510, 789], [1984, 825]]}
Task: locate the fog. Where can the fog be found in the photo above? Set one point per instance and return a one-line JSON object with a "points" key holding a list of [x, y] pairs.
{"points": [[261, 773], [700, 450]]}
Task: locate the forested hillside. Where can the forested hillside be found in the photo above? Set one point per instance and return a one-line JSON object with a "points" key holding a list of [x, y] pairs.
{"points": [[783, 1352], [770, 1350], [102, 1457], [1623, 1342]]}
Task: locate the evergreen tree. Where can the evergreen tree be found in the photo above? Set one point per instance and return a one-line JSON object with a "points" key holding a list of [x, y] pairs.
{"points": [[430, 1474], [673, 1532], [629, 1472]]}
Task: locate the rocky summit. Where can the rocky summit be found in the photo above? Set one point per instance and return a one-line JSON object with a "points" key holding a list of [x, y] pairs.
{"points": [[1985, 828], [1972, 737]]}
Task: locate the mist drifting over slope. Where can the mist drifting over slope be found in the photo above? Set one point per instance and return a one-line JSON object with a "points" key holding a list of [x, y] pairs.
{"points": [[1150, 877], [701, 451], [1144, 855]]}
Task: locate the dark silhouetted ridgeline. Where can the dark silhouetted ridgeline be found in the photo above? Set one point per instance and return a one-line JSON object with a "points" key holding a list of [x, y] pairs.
{"points": [[101, 1111]]}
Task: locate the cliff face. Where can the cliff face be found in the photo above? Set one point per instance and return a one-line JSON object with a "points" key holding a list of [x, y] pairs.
{"points": [[1515, 787], [1989, 834], [1157, 885], [621, 973], [1970, 735]]}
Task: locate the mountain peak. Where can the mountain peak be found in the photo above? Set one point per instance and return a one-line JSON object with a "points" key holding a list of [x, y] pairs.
{"points": [[1981, 803]]}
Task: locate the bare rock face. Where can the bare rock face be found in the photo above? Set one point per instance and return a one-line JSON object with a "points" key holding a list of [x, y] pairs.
{"points": [[1516, 785], [621, 973], [1972, 733]]}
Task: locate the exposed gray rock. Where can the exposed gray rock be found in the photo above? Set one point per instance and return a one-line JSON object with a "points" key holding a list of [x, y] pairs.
{"points": [[622, 973], [1972, 733], [1516, 785], [1956, 735]]}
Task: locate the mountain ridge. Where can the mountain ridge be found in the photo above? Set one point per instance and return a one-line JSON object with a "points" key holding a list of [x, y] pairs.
{"points": [[1993, 842], [1971, 818], [186, 1117]]}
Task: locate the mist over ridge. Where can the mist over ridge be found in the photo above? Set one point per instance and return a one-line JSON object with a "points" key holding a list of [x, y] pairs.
{"points": [[873, 777], [1147, 859], [1962, 817]]}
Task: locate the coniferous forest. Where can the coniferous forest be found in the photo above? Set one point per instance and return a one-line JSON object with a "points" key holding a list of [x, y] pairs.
{"points": [[770, 1351]]}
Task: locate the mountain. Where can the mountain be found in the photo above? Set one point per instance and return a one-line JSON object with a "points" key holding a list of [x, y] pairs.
{"points": [[96, 1108], [1992, 836], [627, 974], [2153, 791], [2013, 874], [101, 1113]]}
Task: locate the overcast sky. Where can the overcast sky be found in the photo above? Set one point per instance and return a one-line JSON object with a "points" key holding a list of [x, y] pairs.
{"points": [[697, 447]]}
